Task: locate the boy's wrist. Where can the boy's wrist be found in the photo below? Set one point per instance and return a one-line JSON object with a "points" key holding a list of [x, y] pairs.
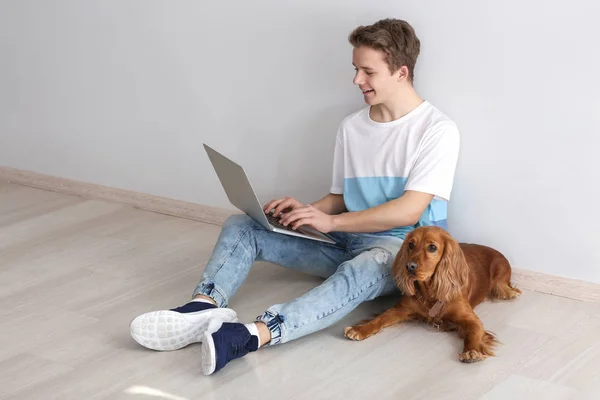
{"points": [[337, 222]]}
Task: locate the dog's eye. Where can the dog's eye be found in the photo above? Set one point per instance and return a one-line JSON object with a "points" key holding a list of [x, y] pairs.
{"points": [[411, 246], [432, 248]]}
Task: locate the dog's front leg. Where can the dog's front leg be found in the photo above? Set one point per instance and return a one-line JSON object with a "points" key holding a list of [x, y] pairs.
{"points": [[400, 312], [478, 343]]}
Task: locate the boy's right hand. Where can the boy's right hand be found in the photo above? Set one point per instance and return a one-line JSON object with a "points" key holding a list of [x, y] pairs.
{"points": [[286, 204]]}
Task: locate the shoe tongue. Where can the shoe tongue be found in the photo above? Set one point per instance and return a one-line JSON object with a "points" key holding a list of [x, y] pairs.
{"points": [[193, 306]]}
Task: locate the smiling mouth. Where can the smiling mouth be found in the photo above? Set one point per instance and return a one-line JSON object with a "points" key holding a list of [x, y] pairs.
{"points": [[368, 91]]}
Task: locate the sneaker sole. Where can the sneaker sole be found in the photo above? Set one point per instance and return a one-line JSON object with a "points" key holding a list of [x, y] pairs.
{"points": [[169, 330], [209, 356]]}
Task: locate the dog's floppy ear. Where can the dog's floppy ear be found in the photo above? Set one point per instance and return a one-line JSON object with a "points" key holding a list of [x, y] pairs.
{"points": [[452, 271], [403, 281]]}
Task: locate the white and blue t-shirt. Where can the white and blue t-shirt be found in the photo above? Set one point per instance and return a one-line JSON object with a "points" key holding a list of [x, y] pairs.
{"points": [[376, 162]]}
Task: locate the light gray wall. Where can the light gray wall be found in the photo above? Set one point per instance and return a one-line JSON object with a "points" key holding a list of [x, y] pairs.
{"points": [[124, 93]]}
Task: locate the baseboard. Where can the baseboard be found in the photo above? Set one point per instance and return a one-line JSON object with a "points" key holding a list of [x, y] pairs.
{"points": [[524, 279], [556, 285], [162, 205]]}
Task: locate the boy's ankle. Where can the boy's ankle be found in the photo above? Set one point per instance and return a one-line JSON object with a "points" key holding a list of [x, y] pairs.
{"points": [[203, 297], [264, 334]]}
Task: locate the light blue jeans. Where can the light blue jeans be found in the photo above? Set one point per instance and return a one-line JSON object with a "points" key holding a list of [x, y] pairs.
{"points": [[357, 268]]}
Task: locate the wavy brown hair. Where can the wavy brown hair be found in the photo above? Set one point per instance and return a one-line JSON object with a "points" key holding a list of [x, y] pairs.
{"points": [[396, 38]]}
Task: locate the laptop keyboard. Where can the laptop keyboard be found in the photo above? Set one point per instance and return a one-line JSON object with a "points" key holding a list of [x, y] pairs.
{"points": [[275, 222]]}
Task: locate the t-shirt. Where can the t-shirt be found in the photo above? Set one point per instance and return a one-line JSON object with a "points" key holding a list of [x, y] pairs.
{"points": [[376, 162]]}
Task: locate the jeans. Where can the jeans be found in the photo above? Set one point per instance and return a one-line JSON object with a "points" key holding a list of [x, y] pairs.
{"points": [[357, 268]]}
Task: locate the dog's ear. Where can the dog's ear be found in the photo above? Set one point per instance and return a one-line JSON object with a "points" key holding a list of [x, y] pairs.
{"points": [[452, 272], [403, 281]]}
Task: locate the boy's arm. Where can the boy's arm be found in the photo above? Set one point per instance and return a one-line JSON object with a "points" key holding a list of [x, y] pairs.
{"points": [[331, 204], [403, 211]]}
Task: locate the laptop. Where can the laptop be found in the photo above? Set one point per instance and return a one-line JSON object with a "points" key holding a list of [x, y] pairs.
{"points": [[240, 193]]}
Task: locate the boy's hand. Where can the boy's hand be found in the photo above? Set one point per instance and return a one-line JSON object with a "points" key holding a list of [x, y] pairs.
{"points": [[308, 215], [282, 205]]}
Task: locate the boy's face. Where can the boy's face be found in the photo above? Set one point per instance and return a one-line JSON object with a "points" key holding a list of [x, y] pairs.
{"points": [[373, 75]]}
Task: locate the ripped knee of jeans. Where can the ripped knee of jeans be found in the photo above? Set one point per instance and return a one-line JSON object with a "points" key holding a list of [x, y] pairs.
{"points": [[381, 256]]}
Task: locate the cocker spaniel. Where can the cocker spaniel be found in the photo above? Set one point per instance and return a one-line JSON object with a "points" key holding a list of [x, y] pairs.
{"points": [[442, 281]]}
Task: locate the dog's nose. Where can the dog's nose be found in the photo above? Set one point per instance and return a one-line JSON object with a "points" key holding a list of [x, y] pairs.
{"points": [[411, 267]]}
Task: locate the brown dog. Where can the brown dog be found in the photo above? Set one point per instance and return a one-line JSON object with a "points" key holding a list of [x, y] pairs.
{"points": [[442, 283]]}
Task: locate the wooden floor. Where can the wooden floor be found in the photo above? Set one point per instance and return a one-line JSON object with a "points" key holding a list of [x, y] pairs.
{"points": [[74, 272]]}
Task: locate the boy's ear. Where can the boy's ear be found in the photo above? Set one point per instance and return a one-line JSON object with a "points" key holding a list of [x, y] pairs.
{"points": [[402, 73]]}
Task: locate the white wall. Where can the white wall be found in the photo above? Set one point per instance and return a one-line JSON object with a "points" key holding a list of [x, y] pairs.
{"points": [[124, 93]]}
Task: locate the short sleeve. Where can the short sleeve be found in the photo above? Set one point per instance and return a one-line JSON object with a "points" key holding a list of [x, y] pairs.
{"points": [[337, 182], [435, 165]]}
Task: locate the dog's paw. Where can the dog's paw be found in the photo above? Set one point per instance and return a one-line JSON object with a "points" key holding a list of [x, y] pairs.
{"points": [[515, 293], [355, 333], [472, 356]]}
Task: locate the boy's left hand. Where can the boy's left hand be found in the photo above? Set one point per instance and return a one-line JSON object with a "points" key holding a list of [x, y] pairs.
{"points": [[308, 215]]}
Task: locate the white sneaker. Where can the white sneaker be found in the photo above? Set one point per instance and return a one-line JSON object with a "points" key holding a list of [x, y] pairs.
{"points": [[176, 328]]}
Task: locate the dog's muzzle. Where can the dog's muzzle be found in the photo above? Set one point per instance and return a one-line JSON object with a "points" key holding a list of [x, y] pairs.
{"points": [[411, 267]]}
